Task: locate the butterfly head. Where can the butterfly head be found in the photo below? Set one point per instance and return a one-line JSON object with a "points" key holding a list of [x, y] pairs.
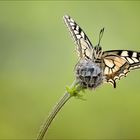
{"points": [[97, 50], [89, 74]]}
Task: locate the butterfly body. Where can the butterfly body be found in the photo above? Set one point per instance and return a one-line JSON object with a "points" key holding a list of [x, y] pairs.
{"points": [[108, 65]]}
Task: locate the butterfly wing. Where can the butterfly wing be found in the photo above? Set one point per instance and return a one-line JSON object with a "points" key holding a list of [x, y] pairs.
{"points": [[84, 46], [118, 63]]}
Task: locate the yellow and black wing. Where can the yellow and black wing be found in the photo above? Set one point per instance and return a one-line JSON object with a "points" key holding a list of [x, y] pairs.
{"points": [[84, 46], [118, 63]]}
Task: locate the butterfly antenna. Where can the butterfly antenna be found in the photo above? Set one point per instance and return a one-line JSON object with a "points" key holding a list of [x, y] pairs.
{"points": [[100, 35]]}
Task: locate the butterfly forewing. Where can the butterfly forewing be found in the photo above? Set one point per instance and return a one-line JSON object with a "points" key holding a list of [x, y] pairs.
{"points": [[132, 57], [84, 46]]}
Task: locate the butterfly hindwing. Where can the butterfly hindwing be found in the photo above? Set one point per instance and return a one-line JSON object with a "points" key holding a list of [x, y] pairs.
{"points": [[115, 68], [84, 46], [118, 63]]}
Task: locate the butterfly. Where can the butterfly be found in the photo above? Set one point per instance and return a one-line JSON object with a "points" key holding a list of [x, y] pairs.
{"points": [[114, 63]]}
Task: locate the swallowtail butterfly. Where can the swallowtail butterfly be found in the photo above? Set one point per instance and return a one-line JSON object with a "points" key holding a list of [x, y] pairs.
{"points": [[96, 66]]}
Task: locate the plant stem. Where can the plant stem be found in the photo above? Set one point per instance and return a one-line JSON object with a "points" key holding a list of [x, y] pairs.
{"points": [[73, 91], [52, 115]]}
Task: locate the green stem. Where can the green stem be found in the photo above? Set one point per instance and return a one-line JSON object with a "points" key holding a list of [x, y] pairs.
{"points": [[73, 91]]}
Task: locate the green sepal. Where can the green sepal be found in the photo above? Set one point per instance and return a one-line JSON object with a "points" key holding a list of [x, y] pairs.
{"points": [[74, 91]]}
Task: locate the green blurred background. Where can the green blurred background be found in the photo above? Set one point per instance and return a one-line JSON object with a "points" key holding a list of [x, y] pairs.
{"points": [[37, 59]]}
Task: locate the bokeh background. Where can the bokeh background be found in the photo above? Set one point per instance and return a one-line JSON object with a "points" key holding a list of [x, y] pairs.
{"points": [[37, 59]]}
